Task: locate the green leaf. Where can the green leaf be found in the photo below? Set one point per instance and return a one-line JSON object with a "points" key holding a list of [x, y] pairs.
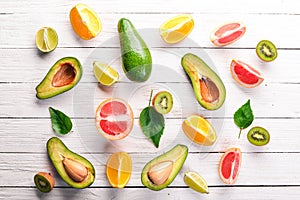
{"points": [[61, 123], [244, 117], [153, 124]]}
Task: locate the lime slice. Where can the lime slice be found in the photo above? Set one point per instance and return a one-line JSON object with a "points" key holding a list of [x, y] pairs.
{"points": [[195, 182], [105, 74], [46, 39]]}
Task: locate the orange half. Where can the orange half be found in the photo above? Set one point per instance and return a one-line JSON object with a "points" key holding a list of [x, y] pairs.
{"points": [[85, 21], [199, 130], [118, 169], [176, 29]]}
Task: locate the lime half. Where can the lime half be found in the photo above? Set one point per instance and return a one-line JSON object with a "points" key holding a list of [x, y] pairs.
{"points": [[105, 74], [195, 182], [46, 39]]}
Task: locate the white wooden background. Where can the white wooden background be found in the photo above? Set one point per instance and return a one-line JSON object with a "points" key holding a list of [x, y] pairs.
{"points": [[269, 172]]}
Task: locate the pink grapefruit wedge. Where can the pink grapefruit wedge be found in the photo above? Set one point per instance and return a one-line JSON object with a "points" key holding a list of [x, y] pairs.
{"points": [[245, 75], [114, 119], [230, 165], [227, 33]]}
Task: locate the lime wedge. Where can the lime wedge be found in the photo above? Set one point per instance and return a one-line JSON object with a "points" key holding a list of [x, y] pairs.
{"points": [[46, 39], [105, 74], [195, 182]]}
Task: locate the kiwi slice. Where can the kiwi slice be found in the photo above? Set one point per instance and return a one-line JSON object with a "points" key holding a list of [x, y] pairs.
{"points": [[266, 50], [163, 102], [258, 136], [44, 181]]}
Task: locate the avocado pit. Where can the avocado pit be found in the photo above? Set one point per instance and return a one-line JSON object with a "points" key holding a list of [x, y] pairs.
{"points": [[159, 173], [75, 170], [209, 91], [64, 76]]}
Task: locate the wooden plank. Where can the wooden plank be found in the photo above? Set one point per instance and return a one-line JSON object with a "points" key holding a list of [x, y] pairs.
{"points": [[147, 7], [233, 193], [36, 65], [257, 169], [267, 101], [84, 137], [148, 28]]}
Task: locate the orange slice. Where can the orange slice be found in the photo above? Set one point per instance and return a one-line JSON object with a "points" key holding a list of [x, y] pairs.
{"points": [[245, 75], [227, 33], [199, 130], [176, 29], [85, 21], [230, 165], [118, 169]]}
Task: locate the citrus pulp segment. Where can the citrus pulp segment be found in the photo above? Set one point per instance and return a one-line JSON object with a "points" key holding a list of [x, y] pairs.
{"points": [[195, 182], [105, 74], [46, 39]]}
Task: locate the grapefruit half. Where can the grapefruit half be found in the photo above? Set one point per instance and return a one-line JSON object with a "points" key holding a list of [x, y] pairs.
{"points": [[227, 33], [245, 75], [114, 119], [230, 165]]}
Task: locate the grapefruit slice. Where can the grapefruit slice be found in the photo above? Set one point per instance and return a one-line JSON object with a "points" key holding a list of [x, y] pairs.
{"points": [[227, 33], [230, 165], [114, 119], [245, 75]]}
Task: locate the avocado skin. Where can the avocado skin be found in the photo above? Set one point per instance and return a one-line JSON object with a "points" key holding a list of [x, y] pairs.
{"points": [[196, 68], [177, 154], [56, 150], [136, 57], [46, 90]]}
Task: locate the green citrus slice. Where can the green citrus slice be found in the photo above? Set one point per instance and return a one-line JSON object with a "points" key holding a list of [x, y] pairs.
{"points": [[46, 39], [195, 182], [105, 74]]}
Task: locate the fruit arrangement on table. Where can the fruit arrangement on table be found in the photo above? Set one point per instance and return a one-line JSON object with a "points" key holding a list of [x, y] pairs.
{"points": [[114, 116]]}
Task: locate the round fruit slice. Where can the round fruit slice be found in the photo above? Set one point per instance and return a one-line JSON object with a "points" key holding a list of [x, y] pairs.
{"points": [[44, 181], [85, 21], [227, 33], [195, 182], [46, 39], [114, 119], [105, 74], [118, 169], [163, 102], [245, 75], [258, 136], [199, 130], [230, 165], [176, 29], [266, 50]]}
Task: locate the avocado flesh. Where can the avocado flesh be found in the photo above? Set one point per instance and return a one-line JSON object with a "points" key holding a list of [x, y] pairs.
{"points": [[61, 77], [136, 57], [57, 151], [208, 87], [177, 155]]}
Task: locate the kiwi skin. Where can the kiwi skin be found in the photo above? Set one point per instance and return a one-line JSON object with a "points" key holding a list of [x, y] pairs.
{"points": [[262, 47], [258, 136], [44, 182]]}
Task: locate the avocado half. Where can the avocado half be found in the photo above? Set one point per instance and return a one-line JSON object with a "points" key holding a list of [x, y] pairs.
{"points": [[62, 76], [208, 87], [177, 155], [57, 152]]}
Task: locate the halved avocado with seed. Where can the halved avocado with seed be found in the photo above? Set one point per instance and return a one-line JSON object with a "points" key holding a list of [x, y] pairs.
{"points": [[162, 170], [208, 87], [74, 169], [62, 76]]}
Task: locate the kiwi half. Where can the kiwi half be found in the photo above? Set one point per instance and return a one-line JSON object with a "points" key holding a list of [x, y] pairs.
{"points": [[266, 50], [258, 136], [163, 102], [44, 181]]}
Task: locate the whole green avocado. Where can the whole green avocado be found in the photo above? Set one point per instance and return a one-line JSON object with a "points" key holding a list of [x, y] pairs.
{"points": [[136, 57]]}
